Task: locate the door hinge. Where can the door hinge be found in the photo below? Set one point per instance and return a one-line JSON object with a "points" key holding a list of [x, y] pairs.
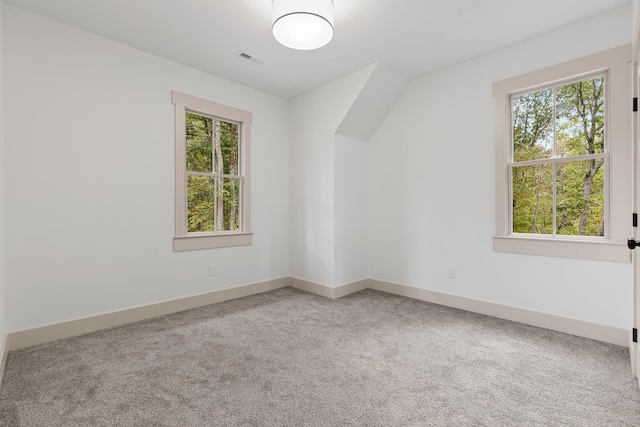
{"points": [[635, 335], [635, 104], [635, 219]]}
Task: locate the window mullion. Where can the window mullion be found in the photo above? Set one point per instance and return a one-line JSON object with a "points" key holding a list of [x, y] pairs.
{"points": [[554, 194], [215, 203], [561, 159], [554, 170], [214, 175], [554, 121]]}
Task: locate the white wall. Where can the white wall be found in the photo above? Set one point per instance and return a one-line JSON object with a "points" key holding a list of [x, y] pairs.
{"points": [[314, 119], [431, 188], [350, 189], [2, 191], [89, 188], [378, 95], [635, 5], [635, 26], [90, 185]]}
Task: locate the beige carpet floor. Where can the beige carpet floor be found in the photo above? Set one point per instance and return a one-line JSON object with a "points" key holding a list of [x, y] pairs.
{"points": [[289, 358]]}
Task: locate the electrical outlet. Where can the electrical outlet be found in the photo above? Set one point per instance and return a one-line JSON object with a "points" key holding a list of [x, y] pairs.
{"points": [[212, 269], [452, 272]]}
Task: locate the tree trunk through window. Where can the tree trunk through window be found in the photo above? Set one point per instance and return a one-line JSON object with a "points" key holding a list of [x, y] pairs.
{"points": [[588, 106]]}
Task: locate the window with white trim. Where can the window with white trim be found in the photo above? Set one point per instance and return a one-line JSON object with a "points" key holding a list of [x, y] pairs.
{"points": [[559, 159], [212, 174], [563, 176]]}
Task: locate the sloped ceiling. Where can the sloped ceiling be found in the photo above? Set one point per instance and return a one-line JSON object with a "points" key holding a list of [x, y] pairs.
{"points": [[376, 98]]}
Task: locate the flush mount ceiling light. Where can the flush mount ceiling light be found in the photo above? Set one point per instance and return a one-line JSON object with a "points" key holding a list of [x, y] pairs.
{"points": [[302, 24]]}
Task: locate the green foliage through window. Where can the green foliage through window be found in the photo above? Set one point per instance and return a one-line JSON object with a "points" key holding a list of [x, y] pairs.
{"points": [[553, 190], [213, 180]]}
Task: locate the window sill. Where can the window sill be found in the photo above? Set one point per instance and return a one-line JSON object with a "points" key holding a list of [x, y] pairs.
{"points": [[605, 250], [210, 241]]}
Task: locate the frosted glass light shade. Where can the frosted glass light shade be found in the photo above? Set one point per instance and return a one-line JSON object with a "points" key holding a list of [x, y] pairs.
{"points": [[302, 24]]}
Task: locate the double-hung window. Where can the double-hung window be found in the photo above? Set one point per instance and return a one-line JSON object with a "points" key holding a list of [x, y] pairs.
{"points": [[212, 174], [562, 159]]}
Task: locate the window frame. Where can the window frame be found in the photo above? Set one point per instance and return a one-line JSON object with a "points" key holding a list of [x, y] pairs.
{"points": [[184, 240], [554, 160], [612, 63]]}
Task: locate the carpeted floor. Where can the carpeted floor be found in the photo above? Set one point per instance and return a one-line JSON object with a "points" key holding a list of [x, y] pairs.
{"points": [[289, 358]]}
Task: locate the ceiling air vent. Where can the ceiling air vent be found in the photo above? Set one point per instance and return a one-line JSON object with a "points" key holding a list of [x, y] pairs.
{"points": [[249, 58]]}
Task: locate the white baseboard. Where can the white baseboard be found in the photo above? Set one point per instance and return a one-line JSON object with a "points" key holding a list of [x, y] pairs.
{"points": [[4, 352], [314, 288], [40, 335], [350, 288], [44, 334], [328, 291], [581, 328]]}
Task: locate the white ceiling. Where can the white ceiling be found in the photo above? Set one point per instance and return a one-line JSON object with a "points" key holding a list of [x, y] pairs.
{"points": [[414, 37]]}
